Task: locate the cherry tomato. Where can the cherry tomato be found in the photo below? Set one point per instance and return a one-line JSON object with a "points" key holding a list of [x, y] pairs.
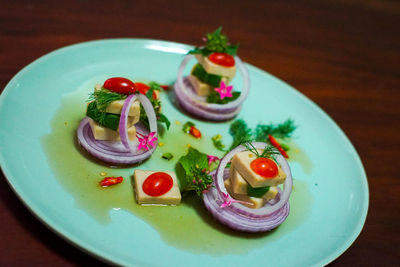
{"points": [[120, 85], [195, 132], [222, 59], [157, 184], [143, 88], [265, 167]]}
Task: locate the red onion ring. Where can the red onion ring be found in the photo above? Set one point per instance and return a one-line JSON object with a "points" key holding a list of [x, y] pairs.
{"points": [[240, 217], [186, 103], [198, 103], [116, 152]]}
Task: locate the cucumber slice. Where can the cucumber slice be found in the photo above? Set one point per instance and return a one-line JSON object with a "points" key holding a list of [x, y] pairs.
{"points": [[257, 191], [107, 120], [205, 77]]}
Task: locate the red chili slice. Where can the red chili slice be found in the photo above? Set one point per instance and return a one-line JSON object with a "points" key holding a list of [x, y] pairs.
{"points": [[143, 88], [120, 85], [111, 181], [278, 146], [157, 184], [195, 132], [222, 59]]}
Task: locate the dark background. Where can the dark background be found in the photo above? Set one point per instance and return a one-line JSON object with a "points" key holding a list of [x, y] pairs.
{"points": [[344, 55]]}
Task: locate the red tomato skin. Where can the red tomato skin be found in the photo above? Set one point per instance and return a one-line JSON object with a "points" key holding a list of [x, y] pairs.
{"points": [[265, 167], [157, 184], [222, 59], [120, 85]]}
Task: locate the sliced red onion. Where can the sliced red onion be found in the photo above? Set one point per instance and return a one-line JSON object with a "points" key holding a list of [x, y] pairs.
{"points": [[123, 122], [116, 152], [198, 106], [186, 103], [240, 217]]}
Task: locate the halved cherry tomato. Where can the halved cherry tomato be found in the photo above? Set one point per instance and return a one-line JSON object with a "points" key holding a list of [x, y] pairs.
{"points": [[143, 88], [265, 167], [195, 132], [120, 85], [222, 59], [157, 184]]}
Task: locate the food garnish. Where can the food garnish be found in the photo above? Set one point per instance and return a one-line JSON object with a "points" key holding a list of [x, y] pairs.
{"points": [[190, 128], [206, 92], [168, 156], [241, 216], [217, 141], [108, 181], [195, 175]]}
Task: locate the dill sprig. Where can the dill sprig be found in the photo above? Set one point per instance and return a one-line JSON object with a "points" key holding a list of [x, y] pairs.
{"points": [[240, 133], [282, 130], [268, 152], [103, 98]]}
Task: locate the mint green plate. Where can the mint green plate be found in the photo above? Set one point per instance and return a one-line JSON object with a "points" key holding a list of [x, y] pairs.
{"points": [[330, 196]]}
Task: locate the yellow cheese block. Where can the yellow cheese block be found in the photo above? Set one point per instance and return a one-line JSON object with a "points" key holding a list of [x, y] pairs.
{"points": [[103, 133], [254, 202], [239, 185], [213, 68], [200, 88], [241, 162], [115, 107], [172, 197]]}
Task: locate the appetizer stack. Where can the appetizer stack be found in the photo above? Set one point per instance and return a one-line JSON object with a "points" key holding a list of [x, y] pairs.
{"points": [[246, 196], [212, 73], [206, 92], [105, 124], [253, 179], [121, 122]]}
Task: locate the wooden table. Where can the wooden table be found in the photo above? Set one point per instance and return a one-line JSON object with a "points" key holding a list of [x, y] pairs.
{"points": [[342, 54]]}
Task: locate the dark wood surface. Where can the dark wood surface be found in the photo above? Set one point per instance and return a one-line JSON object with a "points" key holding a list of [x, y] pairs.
{"points": [[344, 55]]}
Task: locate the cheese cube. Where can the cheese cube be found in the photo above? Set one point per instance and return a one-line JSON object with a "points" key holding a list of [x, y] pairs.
{"points": [[254, 202], [103, 133], [241, 162], [239, 185], [172, 197], [115, 107], [200, 88], [213, 68]]}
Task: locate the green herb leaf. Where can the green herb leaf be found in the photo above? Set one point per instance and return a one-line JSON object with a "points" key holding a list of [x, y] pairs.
{"points": [[168, 156], [195, 176], [257, 191], [214, 97], [216, 139], [216, 42], [186, 127], [163, 119]]}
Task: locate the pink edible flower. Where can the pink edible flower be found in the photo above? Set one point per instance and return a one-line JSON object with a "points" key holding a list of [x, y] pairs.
{"points": [[211, 159], [228, 201], [146, 141], [224, 91]]}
